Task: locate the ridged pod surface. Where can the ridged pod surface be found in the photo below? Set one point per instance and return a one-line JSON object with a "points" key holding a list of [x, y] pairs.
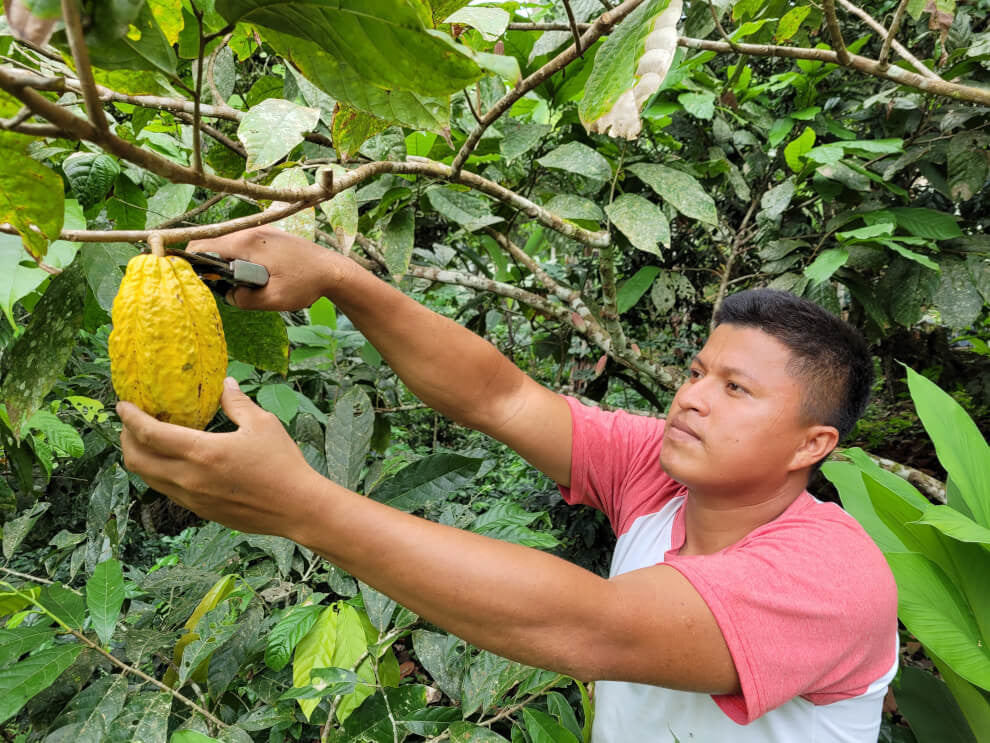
{"points": [[168, 354]]}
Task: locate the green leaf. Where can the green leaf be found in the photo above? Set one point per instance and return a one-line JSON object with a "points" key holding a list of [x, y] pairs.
{"points": [[561, 709], [15, 530], [954, 524], [144, 719], [191, 736], [147, 50], [968, 171], [570, 206], [929, 707], [932, 608], [826, 264], [487, 678], [398, 241], [256, 338], [385, 41], [957, 298], [929, 223], [575, 157], [279, 399], [636, 286], [780, 130], [90, 176], [922, 260], [641, 221], [303, 222], [791, 22], [544, 729], [31, 195], [90, 715], [468, 732], [342, 213], [907, 287], [699, 105], [373, 720], [847, 478], [430, 479], [105, 597], [272, 129], [444, 657], [519, 137], [491, 23], [960, 446], [352, 128], [349, 437], [334, 76], [668, 287], [510, 522], [681, 190], [466, 209], [34, 362], [128, 205], [795, 151], [285, 635], [20, 682], [615, 70], [168, 202]]}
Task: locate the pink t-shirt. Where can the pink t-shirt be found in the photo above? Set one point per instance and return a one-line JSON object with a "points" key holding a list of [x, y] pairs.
{"points": [[806, 603]]}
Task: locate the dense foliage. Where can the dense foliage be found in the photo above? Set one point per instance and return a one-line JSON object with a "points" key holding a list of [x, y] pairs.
{"points": [[466, 153]]}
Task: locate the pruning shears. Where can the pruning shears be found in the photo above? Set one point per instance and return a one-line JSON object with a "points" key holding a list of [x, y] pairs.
{"points": [[222, 275]]}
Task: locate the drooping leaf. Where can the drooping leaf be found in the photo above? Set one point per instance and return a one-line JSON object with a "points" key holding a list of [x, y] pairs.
{"points": [[31, 195], [22, 681], [633, 288], [790, 22], [90, 715], [470, 211], [575, 157], [641, 221], [385, 42], [168, 202], [105, 597], [352, 128], [680, 189], [16, 642], [15, 530], [342, 213], [285, 635], [544, 729], [430, 479], [929, 707], [957, 298], [349, 437], [143, 720], [954, 524], [929, 223], [398, 241], [967, 170], [827, 263], [34, 362], [795, 151]]}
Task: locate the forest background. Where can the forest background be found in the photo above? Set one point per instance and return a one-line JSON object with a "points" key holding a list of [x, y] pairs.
{"points": [[580, 182]]}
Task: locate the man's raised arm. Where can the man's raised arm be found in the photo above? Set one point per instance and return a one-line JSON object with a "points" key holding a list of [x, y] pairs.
{"points": [[449, 368]]}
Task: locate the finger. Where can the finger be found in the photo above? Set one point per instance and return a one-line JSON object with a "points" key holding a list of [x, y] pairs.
{"points": [[240, 408], [226, 246], [165, 438], [152, 466]]}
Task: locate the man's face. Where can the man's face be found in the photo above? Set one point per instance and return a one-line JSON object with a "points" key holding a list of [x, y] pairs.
{"points": [[737, 422]]}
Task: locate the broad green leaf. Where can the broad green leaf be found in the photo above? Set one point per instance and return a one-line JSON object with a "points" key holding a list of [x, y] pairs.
{"points": [[570, 206], [212, 632], [145, 49], [928, 223], [489, 22], [699, 105], [91, 714], [681, 190], [191, 736], [34, 362], [444, 657], [790, 22], [398, 241], [384, 41], [466, 209], [279, 399], [826, 264], [575, 157], [348, 437], [217, 593], [918, 258], [487, 678], [334, 76], [795, 151], [168, 202], [932, 608], [285, 635], [105, 597], [342, 213], [128, 205], [929, 707], [544, 729], [256, 338], [956, 525], [103, 264], [303, 222], [468, 732], [880, 229], [378, 606], [143, 720], [16, 642], [428, 480], [510, 522], [973, 702], [373, 720], [519, 137], [636, 286], [272, 129], [561, 709], [780, 130], [641, 221], [967, 173], [168, 13], [960, 446], [352, 128], [907, 287], [20, 682], [31, 195], [90, 176], [15, 530], [618, 68], [957, 298], [847, 478], [668, 287]]}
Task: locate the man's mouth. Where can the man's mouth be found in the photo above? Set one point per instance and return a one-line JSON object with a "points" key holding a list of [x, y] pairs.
{"points": [[682, 431]]}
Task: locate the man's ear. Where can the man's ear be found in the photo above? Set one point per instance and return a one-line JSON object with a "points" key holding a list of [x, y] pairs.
{"points": [[819, 441]]}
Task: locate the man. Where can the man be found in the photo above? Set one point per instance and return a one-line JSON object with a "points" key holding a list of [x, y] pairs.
{"points": [[738, 608]]}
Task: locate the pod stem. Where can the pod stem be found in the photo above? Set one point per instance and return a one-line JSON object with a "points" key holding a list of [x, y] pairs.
{"points": [[156, 244]]}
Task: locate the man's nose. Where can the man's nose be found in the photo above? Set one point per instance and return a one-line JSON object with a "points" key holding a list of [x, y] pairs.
{"points": [[694, 395]]}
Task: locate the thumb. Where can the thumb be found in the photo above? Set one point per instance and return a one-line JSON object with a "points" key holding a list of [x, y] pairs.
{"points": [[239, 407]]}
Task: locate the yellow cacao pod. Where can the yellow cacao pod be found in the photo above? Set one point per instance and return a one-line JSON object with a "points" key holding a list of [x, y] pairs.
{"points": [[168, 354]]}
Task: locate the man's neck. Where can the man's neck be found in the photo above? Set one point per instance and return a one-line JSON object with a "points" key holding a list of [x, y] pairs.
{"points": [[713, 522]]}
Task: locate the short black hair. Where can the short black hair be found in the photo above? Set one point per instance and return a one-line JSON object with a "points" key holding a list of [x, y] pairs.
{"points": [[830, 355]]}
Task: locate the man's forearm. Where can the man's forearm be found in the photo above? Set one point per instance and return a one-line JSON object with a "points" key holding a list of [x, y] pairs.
{"points": [[445, 365]]}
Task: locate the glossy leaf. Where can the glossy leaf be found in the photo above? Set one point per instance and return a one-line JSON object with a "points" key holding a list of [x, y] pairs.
{"points": [[20, 682], [427, 480], [544, 729], [279, 399], [105, 597], [90, 176], [633, 288], [285, 635]]}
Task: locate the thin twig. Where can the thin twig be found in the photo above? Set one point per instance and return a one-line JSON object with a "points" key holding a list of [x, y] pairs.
{"points": [[895, 26], [80, 55], [572, 22], [195, 211], [35, 578], [720, 27], [197, 136], [737, 244], [888, 38], [547, 26]]}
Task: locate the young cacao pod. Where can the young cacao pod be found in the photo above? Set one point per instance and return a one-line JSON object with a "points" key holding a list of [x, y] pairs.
{"points": [[168, 354]]}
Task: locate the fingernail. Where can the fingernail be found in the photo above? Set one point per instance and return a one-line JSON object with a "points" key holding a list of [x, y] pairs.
{"points": [[231, 383]]}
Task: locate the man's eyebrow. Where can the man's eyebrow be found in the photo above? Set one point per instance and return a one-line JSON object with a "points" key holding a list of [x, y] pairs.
{"points": [[728, 371]]}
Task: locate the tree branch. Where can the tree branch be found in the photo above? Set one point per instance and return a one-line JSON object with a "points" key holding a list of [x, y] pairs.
{"points": [[888, 38], [737, 243], [572, 22], [547, 26], [835, 31], [197, 136], [80, 55], [598, 29]]}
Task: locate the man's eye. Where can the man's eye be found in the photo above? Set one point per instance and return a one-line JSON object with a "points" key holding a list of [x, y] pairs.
{"points": [[694, 374], [733, 387]]}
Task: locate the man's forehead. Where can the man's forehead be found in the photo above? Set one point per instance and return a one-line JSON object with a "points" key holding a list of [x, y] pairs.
{"points": [[745, 350]]}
